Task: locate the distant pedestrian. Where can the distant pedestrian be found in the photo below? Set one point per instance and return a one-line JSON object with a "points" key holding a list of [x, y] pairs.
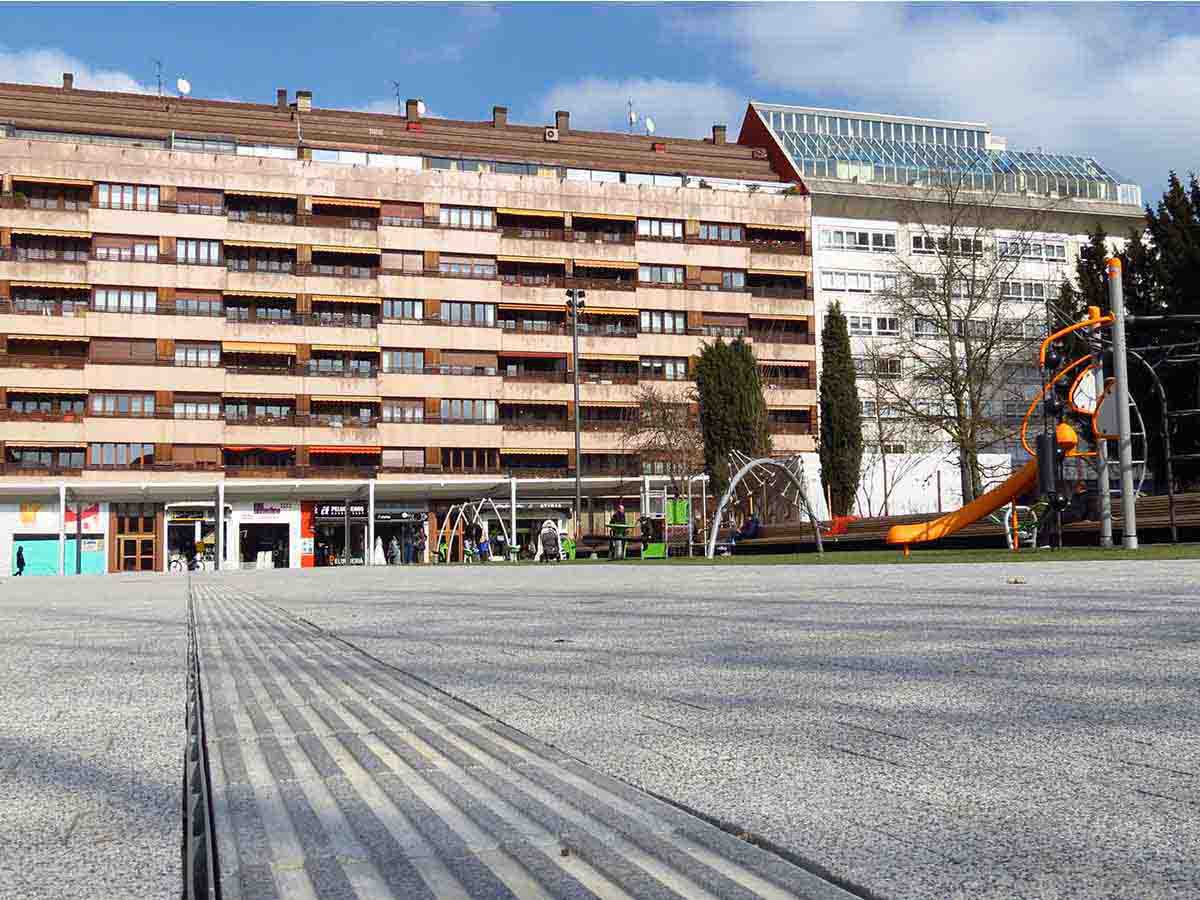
{"points": [[20, 560]]}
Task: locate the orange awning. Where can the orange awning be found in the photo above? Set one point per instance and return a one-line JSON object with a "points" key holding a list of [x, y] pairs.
{"points": [[346, 450]]}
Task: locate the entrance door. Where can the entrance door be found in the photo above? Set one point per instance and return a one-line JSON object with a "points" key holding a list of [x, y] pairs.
{"points": [[135, 534]]}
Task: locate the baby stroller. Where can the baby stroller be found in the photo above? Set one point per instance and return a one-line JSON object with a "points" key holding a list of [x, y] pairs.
{"points": [[551, 542]]}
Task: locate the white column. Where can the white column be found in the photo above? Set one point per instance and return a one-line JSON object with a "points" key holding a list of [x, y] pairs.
{"points": [[219, 556], [512, 513], [371, 522], [62, 528]]}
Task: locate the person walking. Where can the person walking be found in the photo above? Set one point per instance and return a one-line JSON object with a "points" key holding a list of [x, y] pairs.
{"points": [[394, 551], [20, 560]]}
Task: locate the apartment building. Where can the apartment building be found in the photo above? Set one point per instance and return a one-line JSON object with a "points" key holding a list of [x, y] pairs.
{"points": [[876, 218], [222, 292]]}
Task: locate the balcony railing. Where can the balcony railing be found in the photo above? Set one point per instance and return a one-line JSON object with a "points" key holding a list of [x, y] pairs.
{"points": [[18, 200], [785, 383], [789, 427], [337, 271], [601, 378], [261, 266], [29, 254], [766, 337], [789, 293], [531, 280], [581, 236], [12, 415], [799, 248], [600, 284], [536, 377], [357, 223], [24, 361], [518, 327], [31, 471], [531, 234], [261, 217]]}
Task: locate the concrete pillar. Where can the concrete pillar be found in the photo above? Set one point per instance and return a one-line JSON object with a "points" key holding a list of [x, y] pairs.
{"points": [[62, 528], [346, 533], [219, 549], [78, 537], [512, 514], [370, 523]]}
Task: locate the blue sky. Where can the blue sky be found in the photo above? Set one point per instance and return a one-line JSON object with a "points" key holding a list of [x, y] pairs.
{"points": [[1117, 81]]}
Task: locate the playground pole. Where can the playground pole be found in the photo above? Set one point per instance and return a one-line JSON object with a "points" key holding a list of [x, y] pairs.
{"points": [[1104, 485], [1116, 300]]}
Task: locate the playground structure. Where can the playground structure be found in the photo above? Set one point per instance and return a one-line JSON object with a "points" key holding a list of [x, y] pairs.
{"points": [[768, 477]]}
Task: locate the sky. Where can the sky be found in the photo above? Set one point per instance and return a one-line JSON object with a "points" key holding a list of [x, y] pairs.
{"points": [[1118, 82]]}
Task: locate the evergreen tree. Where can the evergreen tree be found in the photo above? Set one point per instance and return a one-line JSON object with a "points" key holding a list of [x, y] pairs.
{"points": [[733, 413], [1091, 272], [841, 442]]}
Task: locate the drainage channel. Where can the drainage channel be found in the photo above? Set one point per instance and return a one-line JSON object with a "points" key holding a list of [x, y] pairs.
{"points": [[334, 775]]}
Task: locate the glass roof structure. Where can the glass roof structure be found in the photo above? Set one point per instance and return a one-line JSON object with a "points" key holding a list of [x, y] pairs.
{"points": [[862, 147]]}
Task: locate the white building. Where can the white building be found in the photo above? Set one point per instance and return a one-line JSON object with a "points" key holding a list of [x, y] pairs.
{"points": [[877, 216]]}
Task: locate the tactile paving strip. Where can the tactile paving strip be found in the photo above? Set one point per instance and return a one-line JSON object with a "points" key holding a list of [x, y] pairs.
{"points": [[335, 775]]}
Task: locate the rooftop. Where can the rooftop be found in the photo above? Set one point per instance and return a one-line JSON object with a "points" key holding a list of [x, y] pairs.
{"points": [[292, 128], [866, 147]]}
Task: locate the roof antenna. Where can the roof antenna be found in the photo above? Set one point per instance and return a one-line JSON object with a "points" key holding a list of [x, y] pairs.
{"points": [[396, 88], [158, 71], [632, 116]]}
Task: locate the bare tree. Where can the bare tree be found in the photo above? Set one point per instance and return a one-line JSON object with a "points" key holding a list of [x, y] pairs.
{"points": [[890, 442], [949, 372], [666, 430]]}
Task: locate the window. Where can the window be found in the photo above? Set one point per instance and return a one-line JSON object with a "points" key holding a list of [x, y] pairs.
{"points": [[883, 282], [197, 409], [656, 321], [654, 368], [36, 457], [133, 405], [663, 229], [405, 361], [126, 300], [198, 306], [483, 411], [923, 243], [733, 281], [893, 449], [127, 249], [859, 324], [134, 455], [45, 405], [457, 312], [859, 282], [196, 354], [887, 325], [198, 253], [403, 459], [712, 231], [404, 309], [867, 408], [976, 328], [925, 328], [883, 241], [404, 411], [660, 274], [128, 196], [889, 367], [1023, 290], [467, 266], [466, 217]]}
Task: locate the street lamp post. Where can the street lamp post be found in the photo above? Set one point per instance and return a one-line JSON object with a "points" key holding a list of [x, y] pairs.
{"points": [[575, 305]]}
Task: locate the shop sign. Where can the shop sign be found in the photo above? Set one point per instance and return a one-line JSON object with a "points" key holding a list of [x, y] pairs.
{"points": [[268, 511], [338, 511], [396, 512]]}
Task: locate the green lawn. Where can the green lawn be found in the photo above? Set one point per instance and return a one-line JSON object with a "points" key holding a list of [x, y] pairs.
{"points": [[859, 557]]}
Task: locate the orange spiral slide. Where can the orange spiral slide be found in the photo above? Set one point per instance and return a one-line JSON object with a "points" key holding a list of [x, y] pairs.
{"points": [[1012, 488]]}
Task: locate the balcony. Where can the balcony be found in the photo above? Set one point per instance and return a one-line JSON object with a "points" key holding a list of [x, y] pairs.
{"points": [[22, 361], [332, 270], [786, 293], [783, 337]]}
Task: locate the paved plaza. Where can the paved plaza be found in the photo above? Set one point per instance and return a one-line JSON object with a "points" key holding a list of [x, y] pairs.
{"points": [[912, 732]]}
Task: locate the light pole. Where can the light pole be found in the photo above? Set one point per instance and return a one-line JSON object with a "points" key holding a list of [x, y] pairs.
{"points": [[575, 306]]}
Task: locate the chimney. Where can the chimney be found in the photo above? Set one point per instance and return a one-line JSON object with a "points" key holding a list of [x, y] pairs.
{"points": [[499, 116], [281, 98], [68, 81], [304, 101], [562, 120], [411, 111], [718, 134]]}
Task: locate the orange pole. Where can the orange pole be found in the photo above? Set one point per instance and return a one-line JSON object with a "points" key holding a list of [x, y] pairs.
{"points": [[1016, 539]]}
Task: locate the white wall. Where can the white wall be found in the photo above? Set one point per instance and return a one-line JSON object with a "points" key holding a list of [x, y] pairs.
{"points": [[43, 518], [263, 512]]}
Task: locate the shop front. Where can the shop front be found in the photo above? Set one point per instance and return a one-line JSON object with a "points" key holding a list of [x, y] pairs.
{"points": [[267, 534], [400, 530], [192, 535], [135, 529], [332, 544], [530, 517], [32, 529]]}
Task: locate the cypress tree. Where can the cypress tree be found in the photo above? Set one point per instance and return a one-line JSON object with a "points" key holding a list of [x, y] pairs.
{"points": [[733, 413], [841, 442]]}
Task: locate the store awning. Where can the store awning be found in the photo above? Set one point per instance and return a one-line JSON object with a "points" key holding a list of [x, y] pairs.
{"points": [[257, 395], [778, 227], [348, 201], [58, 285], [46, 179], [242, 448], [623, 404], [70, 445], [258, 347], [268, 244], [74, 392], [56, 338], [539, 260], [52, 232], [361, 251], [344, 398], [607, 264], [533, 402], [345, 348], [611, 217], [611, 357], [608, 311], [533, 452], [530, 213], [784, 316], [277, 194], [533, 307], [326, 299], [346, 451], [230, 292], [788, 273]]}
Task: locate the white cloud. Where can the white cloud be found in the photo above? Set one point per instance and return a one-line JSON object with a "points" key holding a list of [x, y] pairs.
{"points": [[46, 66], [1104, 81], [679, 108]]}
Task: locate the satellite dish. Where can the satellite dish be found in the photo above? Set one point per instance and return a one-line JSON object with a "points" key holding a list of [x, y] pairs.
{"points": [[420, 107], [649, 125], [632, 117], [184, 86]]}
